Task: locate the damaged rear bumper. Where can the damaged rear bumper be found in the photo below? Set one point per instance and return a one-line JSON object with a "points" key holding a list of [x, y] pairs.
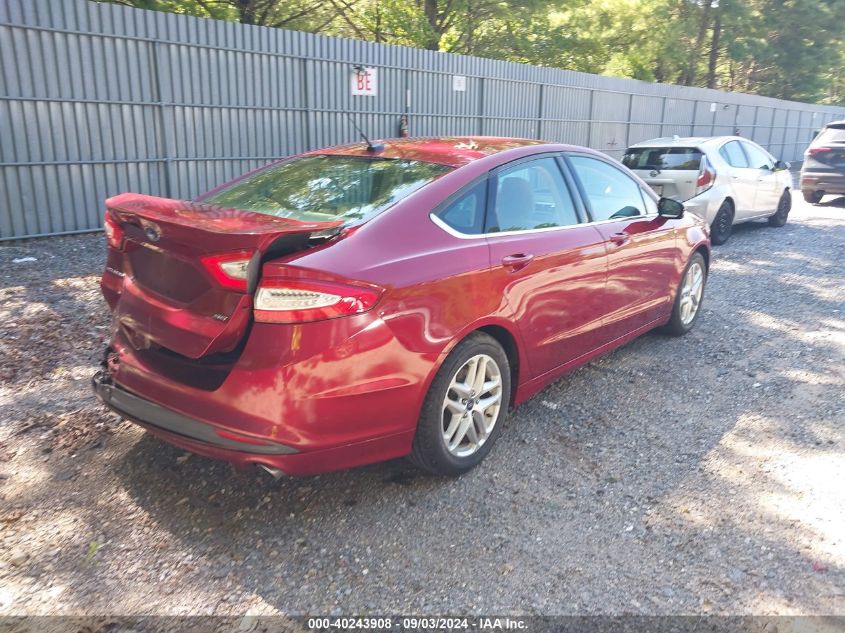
{"points": [[156, 417]]}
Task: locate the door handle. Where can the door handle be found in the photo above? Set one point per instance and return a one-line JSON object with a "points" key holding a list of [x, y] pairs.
{"points": [[620, 239], [517, 261]]}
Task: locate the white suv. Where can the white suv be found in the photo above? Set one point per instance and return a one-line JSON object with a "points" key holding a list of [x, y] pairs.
{"points": [[723, 179]]}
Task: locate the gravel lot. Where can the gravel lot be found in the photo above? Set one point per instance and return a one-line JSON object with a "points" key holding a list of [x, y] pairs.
{"points": [[694, 475]]}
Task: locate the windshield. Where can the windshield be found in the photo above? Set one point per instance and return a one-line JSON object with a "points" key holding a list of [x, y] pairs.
{"points": [[668, 158], [831, 135], [328, 188]]}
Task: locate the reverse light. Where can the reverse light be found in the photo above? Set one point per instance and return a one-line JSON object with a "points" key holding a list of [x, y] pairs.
{"points": [[298, 301], [706, 177], [113, 230], [230, 270]]}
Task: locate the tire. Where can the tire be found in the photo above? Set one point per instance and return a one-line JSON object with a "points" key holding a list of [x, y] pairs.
{"points": [[722, 225], [784, 206], [481, 426], [813, 197], [680, 322]]}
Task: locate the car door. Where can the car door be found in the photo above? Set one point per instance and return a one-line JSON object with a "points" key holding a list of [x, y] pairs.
{"points": [[768, 189], [641, 245], [547, 263], [743, 179]]}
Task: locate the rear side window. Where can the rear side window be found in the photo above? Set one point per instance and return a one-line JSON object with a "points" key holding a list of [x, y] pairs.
{"points": [[532, 195], [831, 135], [328, 188], [757, 158], [663, 158], [466, 214], [733, 154], [612, 194]]}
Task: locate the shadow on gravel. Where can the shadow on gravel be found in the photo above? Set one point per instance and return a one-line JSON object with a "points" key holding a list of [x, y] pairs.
{"points": [[835, 202]]}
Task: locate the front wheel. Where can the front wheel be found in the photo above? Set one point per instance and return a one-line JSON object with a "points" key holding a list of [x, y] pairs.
{"points": [[784, 206], [688, 298], [464, 409], [722, 225]]}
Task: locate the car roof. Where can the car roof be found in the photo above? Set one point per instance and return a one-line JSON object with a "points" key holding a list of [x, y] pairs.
{"points": [[454, 151], [684, 141], [837, 123]]}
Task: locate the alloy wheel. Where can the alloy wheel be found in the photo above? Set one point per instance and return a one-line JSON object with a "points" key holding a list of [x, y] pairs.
{"points": [[471, 406], [691, 292]]}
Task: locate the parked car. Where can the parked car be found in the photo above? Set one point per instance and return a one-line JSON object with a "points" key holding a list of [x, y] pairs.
{"points": [[354, 304], [724, 180], [823, 171]]}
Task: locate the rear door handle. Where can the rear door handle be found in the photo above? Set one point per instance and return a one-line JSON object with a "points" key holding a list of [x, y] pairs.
{"points": [[620, 239], [516, 262]]}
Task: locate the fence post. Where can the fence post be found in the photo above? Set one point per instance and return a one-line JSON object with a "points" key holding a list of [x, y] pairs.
{"points": [[590, 121], [480, 108], [713, 122], [772, 128], [540, 113], [662, 116], [308, 118], [628, 123], [754, 125], [694, 117], [165, 119]]}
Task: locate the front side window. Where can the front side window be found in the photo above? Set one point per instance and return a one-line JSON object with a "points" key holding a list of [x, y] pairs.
{"points": [[328, 188], [757, 158], [733, 155], [611, 193], [532, 195]]}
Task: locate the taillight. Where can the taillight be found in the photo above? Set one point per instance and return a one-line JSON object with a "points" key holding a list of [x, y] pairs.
{"points": [[706, 177], [283, 300], [113, 230], [230, 270], [812, 151]]}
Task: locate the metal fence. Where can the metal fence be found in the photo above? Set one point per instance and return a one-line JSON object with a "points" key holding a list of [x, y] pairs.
{"points": [[98, 99]]}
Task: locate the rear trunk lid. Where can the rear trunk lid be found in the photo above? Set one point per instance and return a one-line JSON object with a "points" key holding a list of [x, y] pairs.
{"points": [[164, 276]]}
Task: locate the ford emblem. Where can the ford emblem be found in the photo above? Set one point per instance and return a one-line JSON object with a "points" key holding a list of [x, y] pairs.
{"points": [[152, 232]]}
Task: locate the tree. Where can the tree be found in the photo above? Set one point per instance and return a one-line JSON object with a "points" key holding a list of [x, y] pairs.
{"points": [[793, 49]]}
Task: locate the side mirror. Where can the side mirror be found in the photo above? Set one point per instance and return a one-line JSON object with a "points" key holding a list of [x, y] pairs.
{"points": [[781, 166], [669, 208]]}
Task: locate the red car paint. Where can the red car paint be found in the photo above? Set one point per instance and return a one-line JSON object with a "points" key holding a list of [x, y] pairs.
{"points": [[347, 391]]}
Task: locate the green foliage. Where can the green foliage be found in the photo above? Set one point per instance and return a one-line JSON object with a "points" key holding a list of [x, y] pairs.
{"points": [[792, 49]]}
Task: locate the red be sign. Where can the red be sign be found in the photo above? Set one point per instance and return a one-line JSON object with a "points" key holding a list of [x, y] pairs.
{"points": [[364, 82]]}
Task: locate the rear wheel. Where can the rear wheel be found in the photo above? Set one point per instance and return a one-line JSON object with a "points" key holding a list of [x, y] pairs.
{"points": [[464, 409], [722, 225], [688, 299], [784, 206], [813, 197]]}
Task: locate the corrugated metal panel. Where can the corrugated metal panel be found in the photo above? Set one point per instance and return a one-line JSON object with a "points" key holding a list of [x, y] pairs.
{"points": [[96, 99]]}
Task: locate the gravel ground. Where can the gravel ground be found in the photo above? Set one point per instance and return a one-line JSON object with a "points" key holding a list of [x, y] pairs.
{"points": [[694, 475]]}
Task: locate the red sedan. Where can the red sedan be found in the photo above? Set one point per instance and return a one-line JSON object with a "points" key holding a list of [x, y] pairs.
{"points": [[361, 303]]}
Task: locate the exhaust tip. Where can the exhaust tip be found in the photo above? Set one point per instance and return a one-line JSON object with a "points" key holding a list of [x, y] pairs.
{"points": [[275, 473]]}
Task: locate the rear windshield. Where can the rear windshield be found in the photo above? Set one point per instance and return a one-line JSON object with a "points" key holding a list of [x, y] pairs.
{"points": [[831, 134], [328, 188], [669, 158]]}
